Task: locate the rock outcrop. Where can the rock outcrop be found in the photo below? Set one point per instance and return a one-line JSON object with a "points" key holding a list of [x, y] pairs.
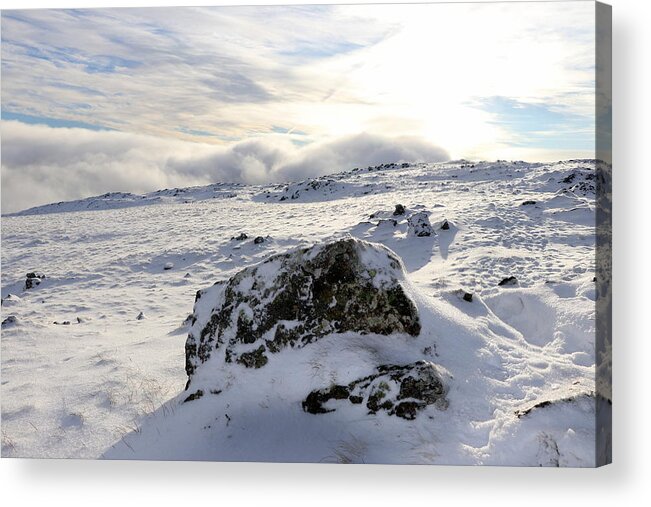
{"points": [[33, 279], [293, 299], [398, 390], [419, 225]]}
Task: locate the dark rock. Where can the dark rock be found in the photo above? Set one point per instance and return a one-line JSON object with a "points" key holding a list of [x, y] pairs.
{"points": [[341, 286], [558, 401], [408, 409], [467, 297], [33, 280], [255, 359], [511, 280], [387, 222], [400, 210], [10, 321], [241, 237], [168, 266], [399, 390], [315, 400], [419, 225], [528, 203], [258, 240], [140, 316], [445, 225], [194, 396]]}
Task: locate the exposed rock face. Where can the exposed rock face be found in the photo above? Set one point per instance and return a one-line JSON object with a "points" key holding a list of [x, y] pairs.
{"points": [[581, 181], [509, 280], [419, 225], [33, 280], [293, 299], [398, 390]]}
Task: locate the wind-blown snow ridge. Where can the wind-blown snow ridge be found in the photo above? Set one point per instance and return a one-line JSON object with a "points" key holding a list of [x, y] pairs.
{"points": [[355, 183], [117, 200]]}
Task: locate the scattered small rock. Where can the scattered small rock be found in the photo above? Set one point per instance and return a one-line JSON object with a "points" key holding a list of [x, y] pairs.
{"points": [[400, 210], [511, 280], [387, 222], [241, 237], [140, 316], [11, 299], [33, 280], [558, 401], [194, 396], [419, 225], [400, 390], [10, 321]]}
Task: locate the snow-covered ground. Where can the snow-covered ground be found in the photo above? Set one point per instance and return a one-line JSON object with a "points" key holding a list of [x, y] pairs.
{"points": [[93, 360]]}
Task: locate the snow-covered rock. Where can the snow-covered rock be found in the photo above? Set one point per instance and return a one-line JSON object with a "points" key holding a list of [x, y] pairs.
{"points": [[419, 225], [33, 279], [11, 299], [398, 390], [10, 321], [293, 299]]}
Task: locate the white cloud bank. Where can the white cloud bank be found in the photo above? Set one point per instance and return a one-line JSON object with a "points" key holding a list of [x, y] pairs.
{"points": [[219, 74], [41, 164]]}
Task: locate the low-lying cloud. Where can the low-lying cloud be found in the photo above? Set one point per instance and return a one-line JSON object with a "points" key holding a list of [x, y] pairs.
{"points": [[41, 164]]}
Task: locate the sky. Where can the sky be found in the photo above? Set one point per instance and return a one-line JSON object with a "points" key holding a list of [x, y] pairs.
{"points": [[102, 100]]}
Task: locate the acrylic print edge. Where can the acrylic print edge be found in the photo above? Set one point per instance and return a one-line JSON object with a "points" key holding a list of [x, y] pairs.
{"points": [[603, 251]]}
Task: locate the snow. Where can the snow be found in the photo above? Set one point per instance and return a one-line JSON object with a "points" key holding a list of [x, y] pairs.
{"points": [[112, 385]]}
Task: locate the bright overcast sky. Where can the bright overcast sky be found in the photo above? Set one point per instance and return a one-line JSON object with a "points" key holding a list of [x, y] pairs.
{"points": [[137, 99]]}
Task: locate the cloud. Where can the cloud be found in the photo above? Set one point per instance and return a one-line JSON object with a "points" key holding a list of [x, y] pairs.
{"points": [[230, 73], [161, 71], [41, 164]]}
